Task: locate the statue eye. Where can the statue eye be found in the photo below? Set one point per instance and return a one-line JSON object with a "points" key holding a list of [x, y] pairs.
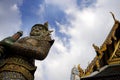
{"points": [[33, 28], [40, 28]]}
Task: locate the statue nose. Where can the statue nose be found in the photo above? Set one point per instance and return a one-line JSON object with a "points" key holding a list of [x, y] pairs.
{"points": [[36, 30]]}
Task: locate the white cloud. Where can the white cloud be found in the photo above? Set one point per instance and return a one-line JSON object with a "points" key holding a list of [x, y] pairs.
{"points": [[86, 26], [10, 18], [41, 11], [14, 7], [61, 4]]}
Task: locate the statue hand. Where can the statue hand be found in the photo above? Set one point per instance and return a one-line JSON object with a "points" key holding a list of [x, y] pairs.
{"points": [[7, 41], [1, 51], [10, 40]]}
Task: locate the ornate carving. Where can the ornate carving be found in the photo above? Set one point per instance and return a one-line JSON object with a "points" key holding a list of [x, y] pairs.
{"points": [[81, 72], [19, 55], [108, 53], [117, 54]]}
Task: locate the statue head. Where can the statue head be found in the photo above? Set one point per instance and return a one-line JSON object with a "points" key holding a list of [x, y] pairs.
{"points": [[39, 29]]}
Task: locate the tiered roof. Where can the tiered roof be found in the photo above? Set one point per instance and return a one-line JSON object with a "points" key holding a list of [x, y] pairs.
{"points": [[107, 60]]}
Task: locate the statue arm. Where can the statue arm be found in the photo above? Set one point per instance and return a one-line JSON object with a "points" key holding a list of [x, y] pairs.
{"points": [[30, 51], [9, 41]]}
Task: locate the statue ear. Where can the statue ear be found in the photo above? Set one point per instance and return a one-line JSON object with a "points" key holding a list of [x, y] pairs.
{"points": [[51, 42], [46, 25]]}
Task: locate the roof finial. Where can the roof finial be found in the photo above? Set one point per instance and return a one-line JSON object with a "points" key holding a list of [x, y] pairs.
{"points": [[97, 49], [113, 16]]}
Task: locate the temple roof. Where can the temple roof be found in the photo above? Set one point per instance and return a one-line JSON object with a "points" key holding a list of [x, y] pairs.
{"points": [[106, 72], [108, 49], [107, 61], [112, 35]]}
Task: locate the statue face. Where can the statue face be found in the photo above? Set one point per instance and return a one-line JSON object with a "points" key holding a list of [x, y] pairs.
{"points": [[37, 30]]}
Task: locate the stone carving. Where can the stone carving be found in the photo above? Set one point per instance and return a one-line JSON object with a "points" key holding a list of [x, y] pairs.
{"points": [[17, 56], [75, 74]]}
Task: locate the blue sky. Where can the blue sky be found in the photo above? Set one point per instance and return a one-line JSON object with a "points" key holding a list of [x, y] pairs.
{"points": [[28, 12], [77, 24], [31, 15]]}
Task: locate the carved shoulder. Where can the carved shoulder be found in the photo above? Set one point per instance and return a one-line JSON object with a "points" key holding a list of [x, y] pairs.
{"points": [[28, 41]]}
